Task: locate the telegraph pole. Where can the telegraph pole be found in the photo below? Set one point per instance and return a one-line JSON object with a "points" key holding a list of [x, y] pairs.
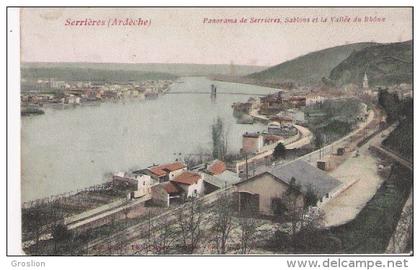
{"points": [[246, 165]]}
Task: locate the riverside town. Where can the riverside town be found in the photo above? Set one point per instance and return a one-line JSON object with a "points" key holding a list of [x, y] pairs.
{"points": [[185, 147]]}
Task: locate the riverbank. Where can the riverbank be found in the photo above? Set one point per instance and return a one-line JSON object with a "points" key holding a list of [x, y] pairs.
{"points": [[116, 136]]}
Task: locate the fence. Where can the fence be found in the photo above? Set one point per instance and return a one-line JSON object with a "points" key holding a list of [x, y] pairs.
{"points": [[335, 192], [135, 231], [53, 198], [94, 211]]}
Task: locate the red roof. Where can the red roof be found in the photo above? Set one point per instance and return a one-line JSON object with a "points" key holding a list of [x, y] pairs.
{"points": [[164, 169], [271, 137], [170, 188], [187, 178], [281, 118], [216, 167], [298, 98]]}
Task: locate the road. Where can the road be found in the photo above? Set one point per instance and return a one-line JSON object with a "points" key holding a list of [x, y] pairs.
{"points": [[107, 213], [260, 159], [394, 156], [305, 138], [348, 204], [137, 231], [101, 245]]}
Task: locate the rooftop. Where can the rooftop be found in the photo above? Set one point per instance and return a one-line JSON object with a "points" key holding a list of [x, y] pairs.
{"points": [[251, 134], [281, 118], [170, 188], [187, 178], [164, 169], [225, 179], [216, 167], [306, 176]]}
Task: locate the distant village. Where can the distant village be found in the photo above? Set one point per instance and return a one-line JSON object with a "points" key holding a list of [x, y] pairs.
{"points": [[53, 92]]}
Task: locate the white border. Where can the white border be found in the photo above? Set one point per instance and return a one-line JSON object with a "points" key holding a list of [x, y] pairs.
{"points": [[112, 262], [14, 211]]}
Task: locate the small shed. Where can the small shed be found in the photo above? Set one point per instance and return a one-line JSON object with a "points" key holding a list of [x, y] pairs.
{"points": [[341, 151], [322, 165]]}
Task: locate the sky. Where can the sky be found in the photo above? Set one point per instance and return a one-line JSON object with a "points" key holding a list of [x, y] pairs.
{"points": [[177, 35]]}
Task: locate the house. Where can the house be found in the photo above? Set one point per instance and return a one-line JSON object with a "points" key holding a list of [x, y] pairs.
{"points": [[139, 185], [297, 101], [190, 182], [271, 104], [124, 179], [275, 128], [296, 115], [284, 121], [223, 180], [144, 184], [245, 107], [272, 99], [313, 99], [216, 167], [167, 193], [165, 172], [252, 142], [72, 99], [264, 190], [255, 103], [271, 138]]}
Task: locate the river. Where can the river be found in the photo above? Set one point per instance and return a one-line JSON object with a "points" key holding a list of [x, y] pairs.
{"points": [[72, 148]]}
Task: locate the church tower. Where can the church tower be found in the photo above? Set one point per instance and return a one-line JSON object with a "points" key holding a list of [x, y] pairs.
{"points": [[365, 82]]}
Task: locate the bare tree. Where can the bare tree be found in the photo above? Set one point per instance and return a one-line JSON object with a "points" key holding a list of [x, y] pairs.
{"points": [[149, 233], [248, 227], [295, 207], [126, 211], [164, 236], [189, 219], [223, 225], [60, 233], [37, 220]]}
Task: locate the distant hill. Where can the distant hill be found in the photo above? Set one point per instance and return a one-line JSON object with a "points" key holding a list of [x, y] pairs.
{"points": [[384, 64], [158, 69], [89, 74], [309, 68]]}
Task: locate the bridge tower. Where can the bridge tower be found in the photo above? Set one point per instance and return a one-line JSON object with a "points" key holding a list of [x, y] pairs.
{"points": [[213, 91]]}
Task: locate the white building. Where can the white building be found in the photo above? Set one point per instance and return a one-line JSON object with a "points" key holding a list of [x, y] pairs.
{"points": [[365, 83], [314, 99], [192, 183], [252, 142], [141, 183], [144, 184], [166, 172]]}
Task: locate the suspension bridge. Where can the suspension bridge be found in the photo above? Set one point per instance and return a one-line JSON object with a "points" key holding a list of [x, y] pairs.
{"points": [[218, 93]]}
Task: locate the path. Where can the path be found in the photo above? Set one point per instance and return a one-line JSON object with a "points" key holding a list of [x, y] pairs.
{"points": [[348, 204], [259, 159]]}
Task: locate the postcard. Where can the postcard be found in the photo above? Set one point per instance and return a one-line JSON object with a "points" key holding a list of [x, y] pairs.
{"points": [[216, 131]]}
